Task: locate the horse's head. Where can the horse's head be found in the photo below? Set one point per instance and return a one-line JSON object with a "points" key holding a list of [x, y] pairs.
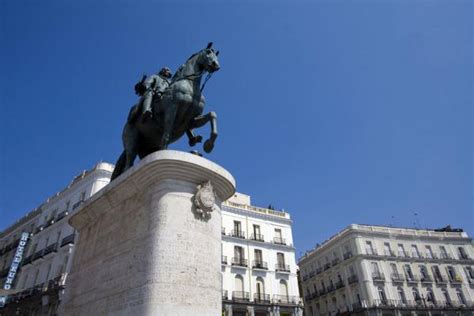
{"points": [[207, 59]]}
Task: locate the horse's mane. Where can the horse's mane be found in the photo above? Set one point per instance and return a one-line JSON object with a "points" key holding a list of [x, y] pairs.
{"points": [[178, 72]]}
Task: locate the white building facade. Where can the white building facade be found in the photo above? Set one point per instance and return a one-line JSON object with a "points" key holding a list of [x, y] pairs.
{"points": [[42, 274], [377, 270], [258, 257], [258, 261]]}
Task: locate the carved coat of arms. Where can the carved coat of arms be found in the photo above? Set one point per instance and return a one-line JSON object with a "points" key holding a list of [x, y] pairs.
{"points": [[204, 200]]}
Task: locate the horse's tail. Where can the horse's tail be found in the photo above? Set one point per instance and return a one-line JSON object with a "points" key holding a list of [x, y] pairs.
{"points": [[119, 166]]}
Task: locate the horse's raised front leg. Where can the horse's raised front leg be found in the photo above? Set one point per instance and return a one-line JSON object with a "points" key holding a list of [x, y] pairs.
{"points": [[193, 139], [203, 119]]}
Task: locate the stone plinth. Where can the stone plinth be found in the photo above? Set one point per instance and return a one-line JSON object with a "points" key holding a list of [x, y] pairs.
{"points": [[144, 248]]}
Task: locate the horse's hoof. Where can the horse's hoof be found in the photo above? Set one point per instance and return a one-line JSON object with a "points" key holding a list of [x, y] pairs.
{"points": [[208, 146], [196, 139]]}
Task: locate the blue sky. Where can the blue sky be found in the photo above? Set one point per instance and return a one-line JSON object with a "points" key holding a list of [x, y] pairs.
{"points": [[337, 111]]}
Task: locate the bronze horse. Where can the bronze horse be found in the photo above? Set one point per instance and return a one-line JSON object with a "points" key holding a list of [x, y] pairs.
{"points": [[178, 111]]}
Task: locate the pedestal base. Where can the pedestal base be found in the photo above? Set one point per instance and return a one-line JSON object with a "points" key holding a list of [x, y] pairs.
{"points": [[144, 247]]}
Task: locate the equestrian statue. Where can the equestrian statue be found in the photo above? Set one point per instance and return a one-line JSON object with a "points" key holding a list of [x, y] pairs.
{"points": [[169, 109]]}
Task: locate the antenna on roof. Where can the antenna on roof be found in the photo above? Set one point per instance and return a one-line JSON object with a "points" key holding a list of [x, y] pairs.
{"points": [[417, 222], [392, 221]]}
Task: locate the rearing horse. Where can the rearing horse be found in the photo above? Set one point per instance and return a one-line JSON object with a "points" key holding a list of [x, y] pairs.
{"points": [[178, 111]]}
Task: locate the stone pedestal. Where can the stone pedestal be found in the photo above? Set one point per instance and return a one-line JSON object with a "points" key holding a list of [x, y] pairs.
{"points": [[146, 247]]}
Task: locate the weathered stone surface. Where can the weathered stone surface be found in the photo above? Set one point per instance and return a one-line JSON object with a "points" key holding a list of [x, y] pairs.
{"points": [[142, 248]]}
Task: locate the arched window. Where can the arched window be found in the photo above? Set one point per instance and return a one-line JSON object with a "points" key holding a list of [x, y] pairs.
{"points": [[239, 283], [283, 288], [401, 295], [382, 297], [461, 297]]}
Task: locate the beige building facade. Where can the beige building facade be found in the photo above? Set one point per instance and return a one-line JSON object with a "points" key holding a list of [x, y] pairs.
{"points": [[378, 270]]}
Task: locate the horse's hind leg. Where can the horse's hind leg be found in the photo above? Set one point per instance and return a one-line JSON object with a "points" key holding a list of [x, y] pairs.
{"points": [[203, 119], [193, 139]]}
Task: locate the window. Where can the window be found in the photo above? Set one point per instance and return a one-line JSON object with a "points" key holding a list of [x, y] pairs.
{"points": [[446, 295], [469, 273], [408, 272], [239, 284], [424, 273], [278, 239], [429, 252], [453, 276], [237, 228], [394, 269], [462, 253], [368, 248], [401, 250], [260, 289], [256, 233], [388, 251], [239, 254], [414, 251], [258, 256], [401, 295], [461, 297], [68, 203], [382, 296], [416, 294], [430, 296], [280, 259], [283, 288], [443, 252]]}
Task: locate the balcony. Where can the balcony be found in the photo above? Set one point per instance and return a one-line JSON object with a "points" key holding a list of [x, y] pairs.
{"points": [[225, 295], [279, 241], [224, 259], [286, 300], [457, 279], [403, 254], [240, 296], [257, 264], [340, 284], [426, 279], [335, 262], [412, 278], [446, 256], [397, 278], [347, 255], [77, 204], [223, 231], [61, 216], [38, 229], [372, 252], [239, 262], [327, 266], [237, 234], [49, 223], [378, 276], [330, 288], [352, 279], [464, 256], [257, 237], [38, 255], [27, 260], [280, 267], [319, 271], [51, 248], [390, 253], [68, 240], [440, 279], [261, 298]]}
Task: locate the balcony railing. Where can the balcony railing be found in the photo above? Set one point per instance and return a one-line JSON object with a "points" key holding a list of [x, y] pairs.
{"points": [[426, 279], [77, 204], [237, 233], [330, 288], [412, 278], [257, 264], [51, 248], [61, 216], [261, 298], [347, 255], [457, 279], [27, 260], [38, 229], [68, 240], [287, 300], [240, 262], [223, 231], [352, 279], [397, 277], [225, 295], [327, 266], [440, 279], [38, 255], [390, 253], [224, 259], [279, 241], [464, 256], [335, 262], [445, 256], [378, 276], [257, 237], [240, 296], [403, 254], [340, 284], [280, 267], [372, 252]]}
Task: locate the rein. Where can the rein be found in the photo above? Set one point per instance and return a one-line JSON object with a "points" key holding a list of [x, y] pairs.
{"points": [[191, 77]]}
